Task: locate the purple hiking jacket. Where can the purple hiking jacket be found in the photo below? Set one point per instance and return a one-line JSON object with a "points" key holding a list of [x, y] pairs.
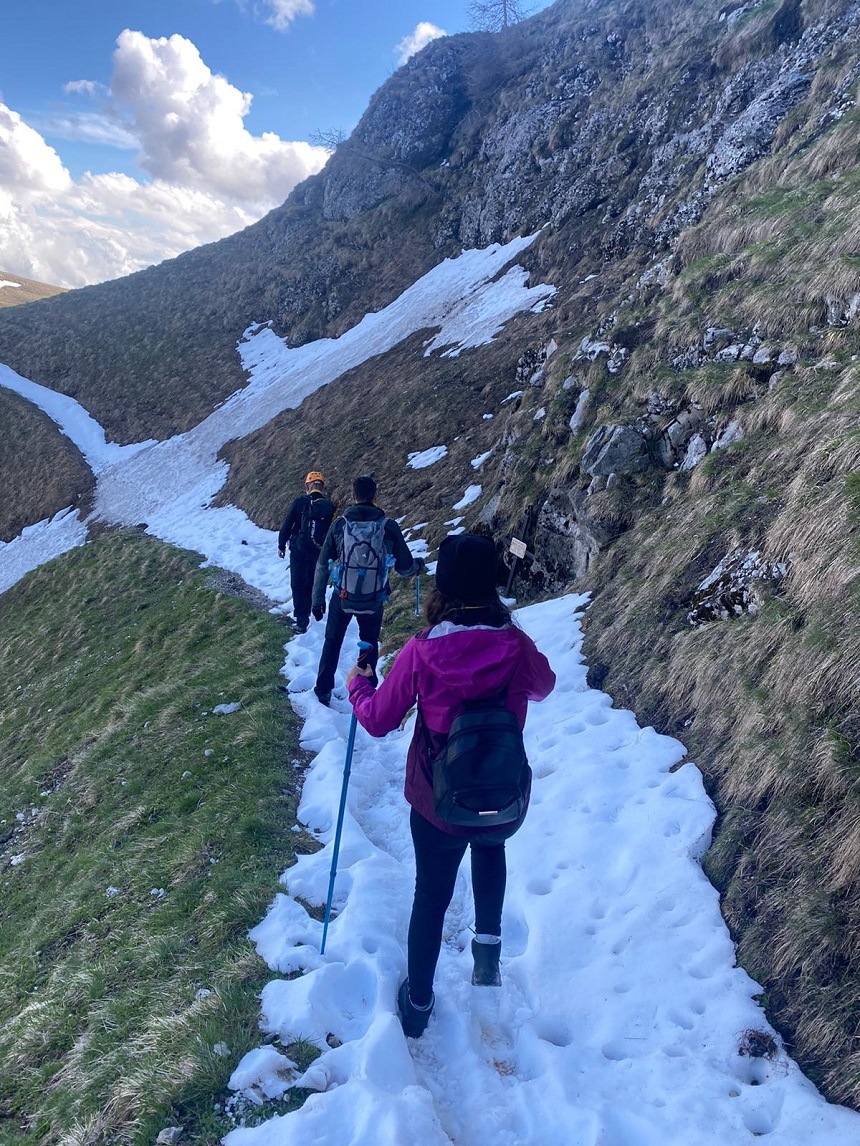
{"points": [[440, 672]]}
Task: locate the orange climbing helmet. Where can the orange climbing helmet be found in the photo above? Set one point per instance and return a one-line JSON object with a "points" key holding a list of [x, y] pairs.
{"points": [[314, 476]]}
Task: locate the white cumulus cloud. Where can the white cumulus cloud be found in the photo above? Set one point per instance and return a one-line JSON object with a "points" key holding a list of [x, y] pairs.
{"points": [[209, 175], [190, 124], [419, 38], [81, 87], [27, 164], [283, 12]]}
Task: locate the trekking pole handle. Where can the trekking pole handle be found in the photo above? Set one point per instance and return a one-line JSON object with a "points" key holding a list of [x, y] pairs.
{"points": [[363, 648]]}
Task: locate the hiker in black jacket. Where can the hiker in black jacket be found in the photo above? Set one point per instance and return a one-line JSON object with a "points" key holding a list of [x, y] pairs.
{"points": [[304, 530], [361, 560]]}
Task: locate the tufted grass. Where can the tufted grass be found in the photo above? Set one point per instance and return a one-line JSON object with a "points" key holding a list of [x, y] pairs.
{"points": [[151, 833]]}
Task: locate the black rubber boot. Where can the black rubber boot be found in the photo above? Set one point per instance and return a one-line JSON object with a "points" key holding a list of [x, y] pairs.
{"points": [[486, 971], [413, 1021]]}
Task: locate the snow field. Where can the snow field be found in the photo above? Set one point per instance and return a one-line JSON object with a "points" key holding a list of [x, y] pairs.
{"points": [[170, 485]]}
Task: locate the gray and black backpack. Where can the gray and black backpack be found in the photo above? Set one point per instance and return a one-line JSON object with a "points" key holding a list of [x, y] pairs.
{"points": [[361, 573]]}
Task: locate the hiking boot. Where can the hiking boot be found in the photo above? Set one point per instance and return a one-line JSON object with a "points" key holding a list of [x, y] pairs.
{"points": [[298, 627], [413, 1019], [486, 970], [323, 697]]}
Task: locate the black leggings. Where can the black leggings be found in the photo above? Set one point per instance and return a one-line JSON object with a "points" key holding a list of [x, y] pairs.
{"points": [[437, 858]]}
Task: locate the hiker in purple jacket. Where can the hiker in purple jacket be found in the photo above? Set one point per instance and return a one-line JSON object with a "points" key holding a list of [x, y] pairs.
{"points": [[472, 650]]}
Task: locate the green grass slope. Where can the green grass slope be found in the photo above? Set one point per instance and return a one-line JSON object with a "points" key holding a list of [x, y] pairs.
{"points": [[141, 835]]}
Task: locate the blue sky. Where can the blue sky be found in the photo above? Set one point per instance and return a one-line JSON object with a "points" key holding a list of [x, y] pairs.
{"points": [[133, 129]]}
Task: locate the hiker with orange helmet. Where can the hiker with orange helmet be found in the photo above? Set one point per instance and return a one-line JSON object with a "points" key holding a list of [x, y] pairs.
{"points": [[304, 530]]}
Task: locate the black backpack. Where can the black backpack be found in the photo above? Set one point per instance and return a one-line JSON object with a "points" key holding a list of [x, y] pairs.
{"points": [[317, 514], [482, 778]]}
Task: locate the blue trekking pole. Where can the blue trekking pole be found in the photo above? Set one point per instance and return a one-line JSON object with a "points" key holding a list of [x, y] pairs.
{"points": [[417, 595], [347, 764]]}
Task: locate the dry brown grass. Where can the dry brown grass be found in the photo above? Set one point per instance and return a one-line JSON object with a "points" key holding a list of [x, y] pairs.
{"points": [[27, 290], [768, 705], [41, 472]]}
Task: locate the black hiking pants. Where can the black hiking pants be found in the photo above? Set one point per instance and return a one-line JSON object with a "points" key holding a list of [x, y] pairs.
{"points": [[302, 568], [437, 859], [369, 627]]}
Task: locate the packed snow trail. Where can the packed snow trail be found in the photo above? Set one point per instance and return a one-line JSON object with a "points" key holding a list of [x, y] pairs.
{"points": [[621, 1013]]}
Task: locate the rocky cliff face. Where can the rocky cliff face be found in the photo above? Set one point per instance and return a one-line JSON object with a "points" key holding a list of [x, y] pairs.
{"points": [[680, 431]]}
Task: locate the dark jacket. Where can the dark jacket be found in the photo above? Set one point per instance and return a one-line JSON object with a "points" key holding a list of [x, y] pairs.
{"points": [[405, 564], [440, 668], [291, 530]]}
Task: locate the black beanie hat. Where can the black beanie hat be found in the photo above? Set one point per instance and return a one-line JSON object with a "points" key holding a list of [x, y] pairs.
{"points": [[466, 569]]}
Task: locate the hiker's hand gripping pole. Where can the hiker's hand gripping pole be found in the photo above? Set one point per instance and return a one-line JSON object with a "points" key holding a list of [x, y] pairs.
{"points": [[347, 764]]}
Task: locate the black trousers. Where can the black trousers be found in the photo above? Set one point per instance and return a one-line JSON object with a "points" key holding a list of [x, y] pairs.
{"points": [[437, 859], [302, 569], [369, 626]]}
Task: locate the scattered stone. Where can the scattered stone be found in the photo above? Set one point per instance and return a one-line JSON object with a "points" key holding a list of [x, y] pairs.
{"points": [[578, 416], [592, 349], [739, 584], [728, 354], [530, 367], [168, 1135], [232, 585], [697, 449], [727, 437], [658, 275], [671, 448]]}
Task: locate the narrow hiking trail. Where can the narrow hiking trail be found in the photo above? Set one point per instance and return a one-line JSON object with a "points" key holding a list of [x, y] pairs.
{"points": [[621, 1015]]}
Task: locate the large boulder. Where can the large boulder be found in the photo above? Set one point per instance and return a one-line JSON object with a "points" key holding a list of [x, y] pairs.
{"points": [[573, 526], [615, 450]]}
